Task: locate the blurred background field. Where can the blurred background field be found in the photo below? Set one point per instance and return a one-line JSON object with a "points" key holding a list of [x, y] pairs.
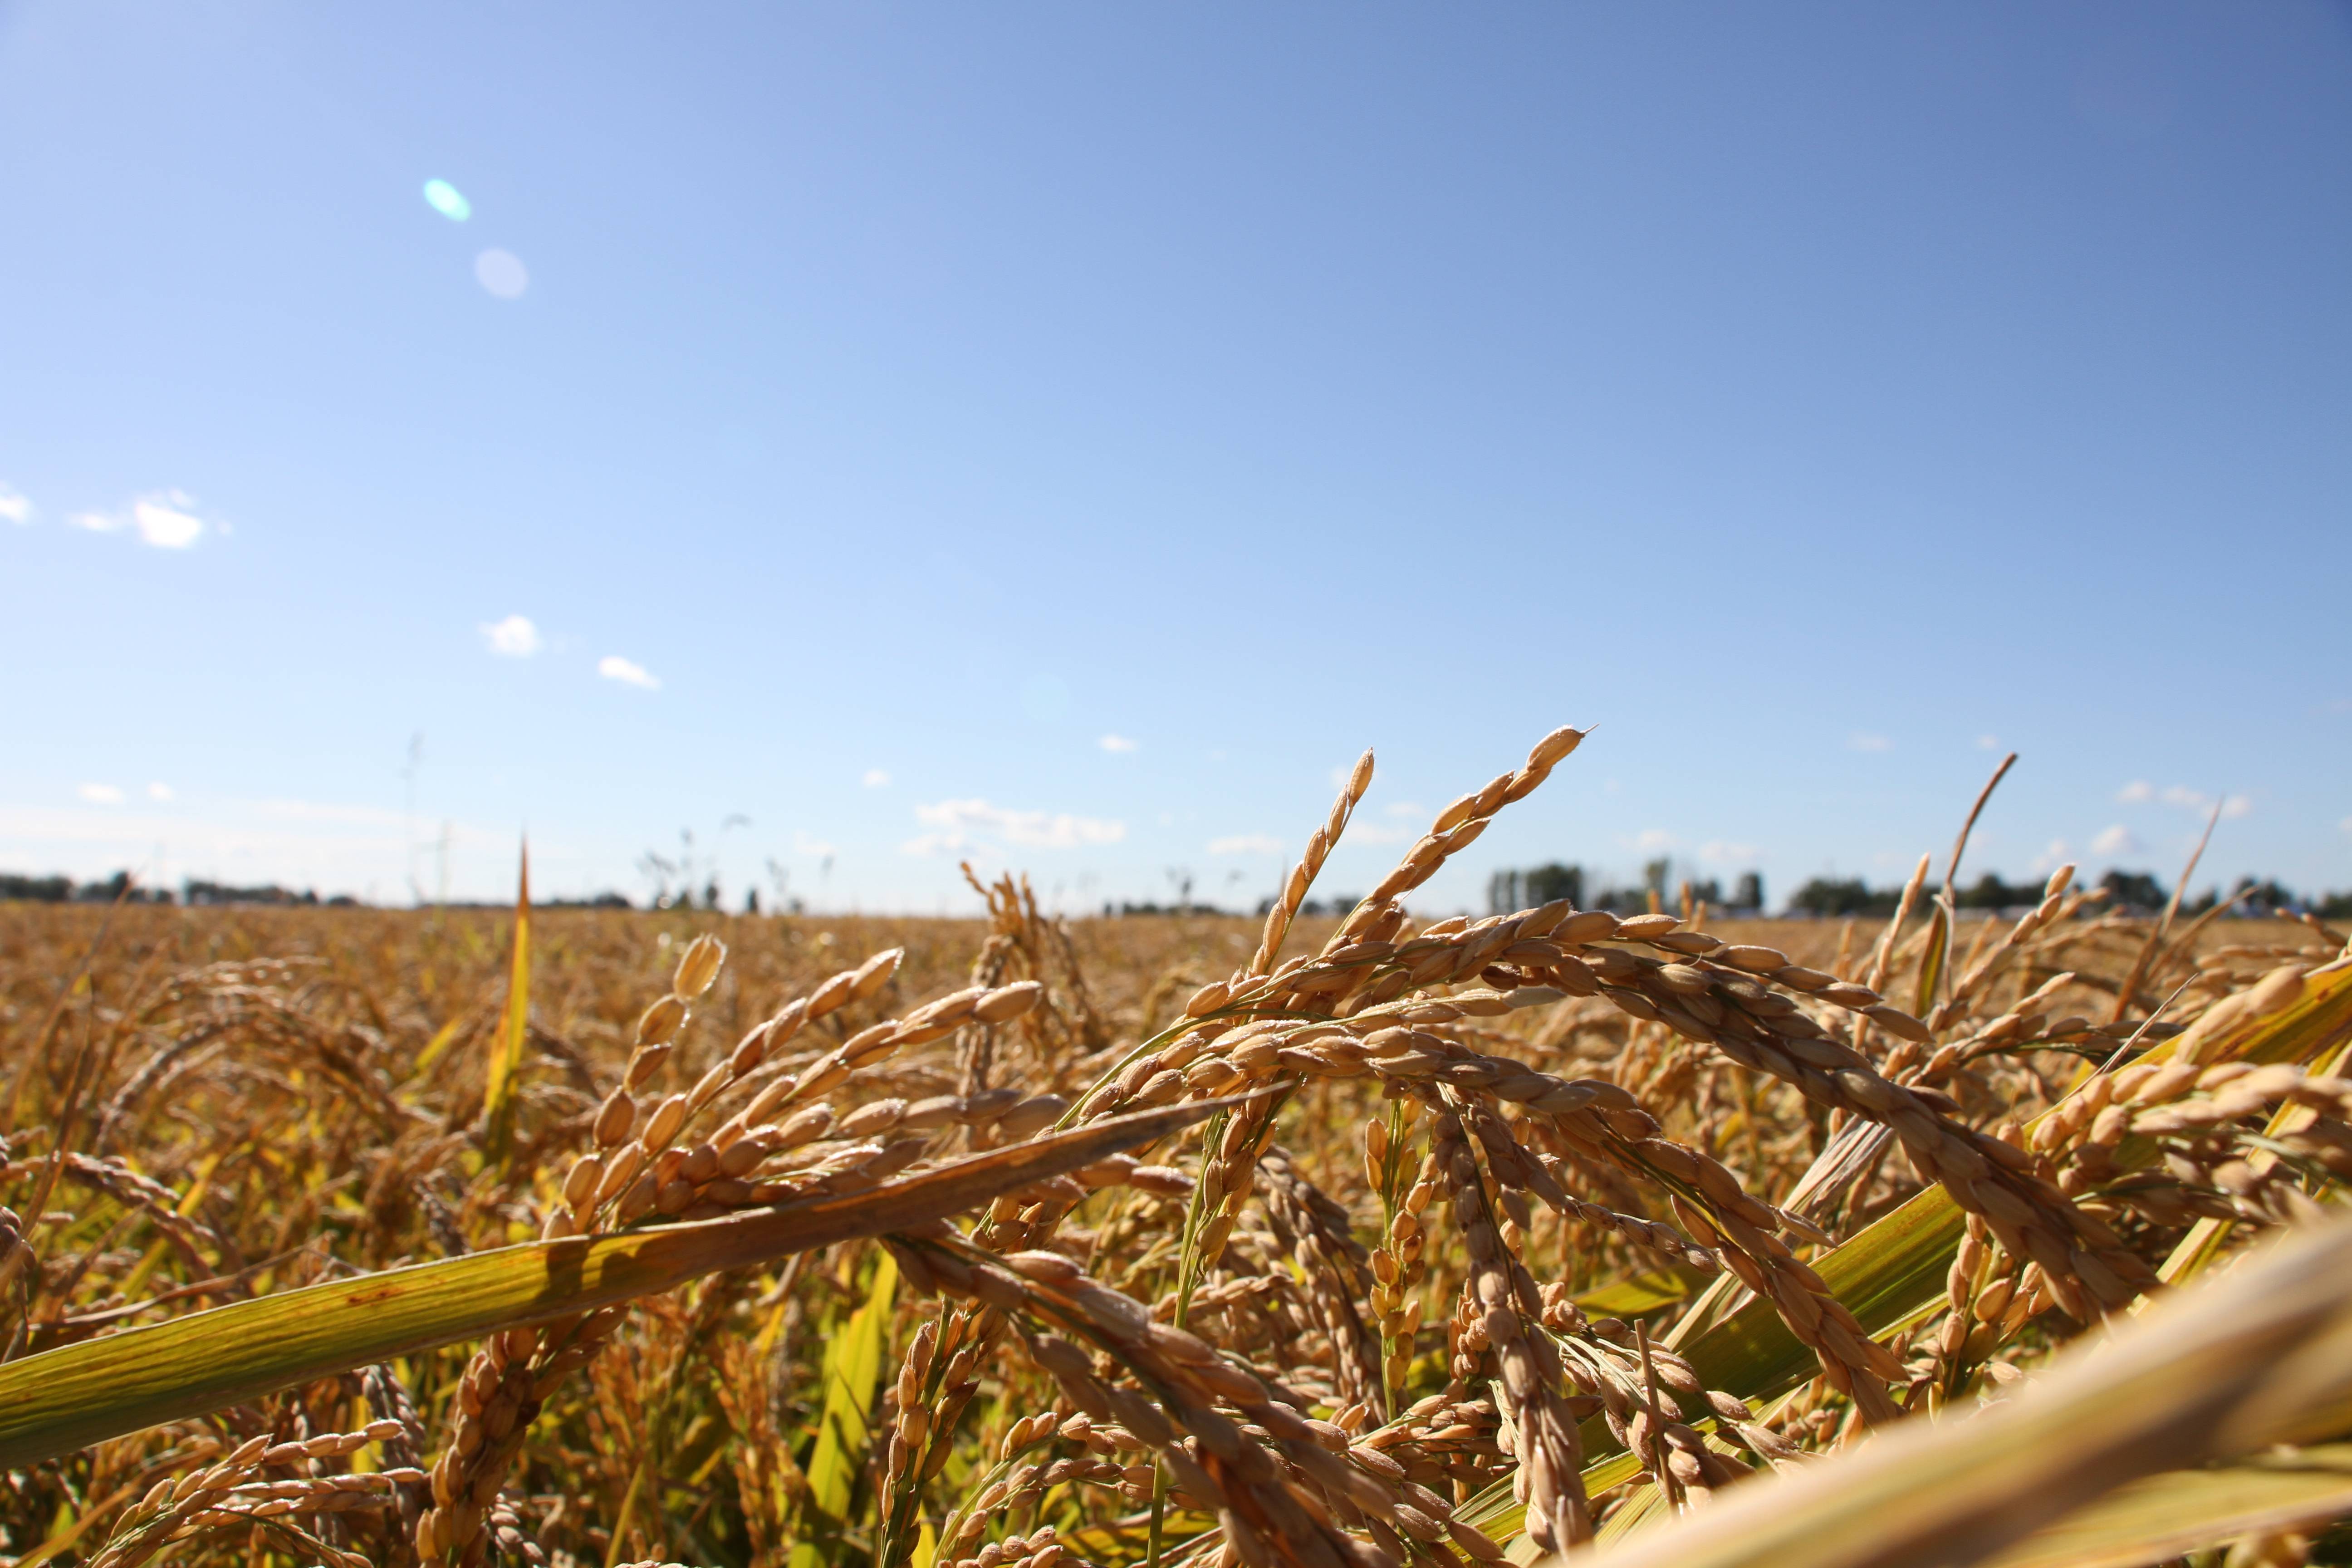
{"points": [[413, 974]]}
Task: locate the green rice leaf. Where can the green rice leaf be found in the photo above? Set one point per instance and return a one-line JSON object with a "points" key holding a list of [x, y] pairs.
{"points": [[61, 1400], [2257, 1357], [853, 1365]]}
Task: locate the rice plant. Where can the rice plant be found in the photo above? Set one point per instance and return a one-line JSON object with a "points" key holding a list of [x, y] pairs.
{"points": [[372, 1236]]}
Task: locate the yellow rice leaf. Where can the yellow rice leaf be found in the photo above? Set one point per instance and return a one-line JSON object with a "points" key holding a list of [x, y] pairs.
{"points": [[506, 1048], [1636, 1295], [434, 1047], [2165, 1516]]}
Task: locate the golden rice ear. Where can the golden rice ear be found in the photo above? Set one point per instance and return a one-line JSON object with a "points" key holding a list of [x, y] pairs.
{"points": [[1286, 903], [1893, 1273], [698, 967]]}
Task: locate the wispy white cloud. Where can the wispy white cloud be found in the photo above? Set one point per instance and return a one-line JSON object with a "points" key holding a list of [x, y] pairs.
{"points": [[2198, 800], [2139, 791], [877, 778], [809, 843], [14, 505], [297, 844], [2055, 855], [628, 672], [1720, 852], [1119, 743], [1373, 833], [1988, 743], [101, 794], [2052, 857], [167, 520], [1245, 844], [1863, 740], [958, 824], [1406, 808], [1653, 838], [317, 811], [514, 638], [924, 845], [161, 792], [2115, 840]]}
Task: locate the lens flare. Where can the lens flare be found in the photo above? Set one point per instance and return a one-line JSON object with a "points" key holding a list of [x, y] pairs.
{"points": [[503, 273], [445, 199]]}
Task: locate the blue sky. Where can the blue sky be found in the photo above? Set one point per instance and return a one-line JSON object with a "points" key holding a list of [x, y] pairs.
{"points": [[1066, 435]]}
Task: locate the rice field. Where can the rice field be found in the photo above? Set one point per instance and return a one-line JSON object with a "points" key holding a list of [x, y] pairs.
{"points": [[353, 1236]]}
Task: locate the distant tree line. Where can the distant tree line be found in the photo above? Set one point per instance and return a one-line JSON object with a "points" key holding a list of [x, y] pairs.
{"points": [[2136, 892], [1508, 891], [64, 891], [17, 886], [1333, 908], [1827, 896]]}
